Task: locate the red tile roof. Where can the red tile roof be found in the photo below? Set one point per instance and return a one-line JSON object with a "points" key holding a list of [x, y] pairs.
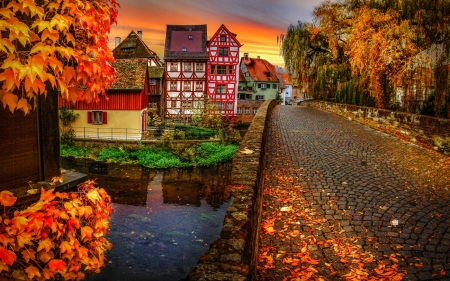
{"points": [[130, 73], [261, 70]]}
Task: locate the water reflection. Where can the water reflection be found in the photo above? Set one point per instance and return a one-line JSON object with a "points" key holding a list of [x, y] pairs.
{"points": [[163, 220]]}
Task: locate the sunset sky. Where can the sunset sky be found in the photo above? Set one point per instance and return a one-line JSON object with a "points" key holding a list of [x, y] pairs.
{"points": [[256, 22]]}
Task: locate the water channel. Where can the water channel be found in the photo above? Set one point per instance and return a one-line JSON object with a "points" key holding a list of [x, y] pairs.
{"points": [[163, 220]]}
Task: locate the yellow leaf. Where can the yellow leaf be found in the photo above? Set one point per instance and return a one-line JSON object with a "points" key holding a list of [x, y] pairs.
{"points": [[86, 231], [24, 238], [19, 222], [45, 256], [9, 77], [6, 45], [93, 195], [45, 244]]}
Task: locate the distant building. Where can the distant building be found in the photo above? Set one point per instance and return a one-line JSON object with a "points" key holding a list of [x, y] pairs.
{"points": [[185, 56], [286, 79], [258, 82]]}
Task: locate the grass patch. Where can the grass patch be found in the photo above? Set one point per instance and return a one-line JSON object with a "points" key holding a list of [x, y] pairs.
{"points": [[203, 154]]}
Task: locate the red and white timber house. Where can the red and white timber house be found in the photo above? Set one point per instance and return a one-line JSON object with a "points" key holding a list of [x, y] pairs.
{"points": [[185, 57], [222, 72]]}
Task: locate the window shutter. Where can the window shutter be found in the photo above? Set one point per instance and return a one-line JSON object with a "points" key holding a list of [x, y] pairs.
{"points": [[89, 117], [259, 86], [105, 118]]}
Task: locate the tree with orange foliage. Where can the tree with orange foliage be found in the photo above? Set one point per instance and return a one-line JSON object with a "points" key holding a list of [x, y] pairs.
{"points": [[58, 45]]}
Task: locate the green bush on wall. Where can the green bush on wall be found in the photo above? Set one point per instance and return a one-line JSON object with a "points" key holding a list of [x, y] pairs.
{"points": [[192, 132]]}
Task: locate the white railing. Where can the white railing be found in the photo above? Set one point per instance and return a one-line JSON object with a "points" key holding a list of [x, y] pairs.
{"points": [[108, 133]]}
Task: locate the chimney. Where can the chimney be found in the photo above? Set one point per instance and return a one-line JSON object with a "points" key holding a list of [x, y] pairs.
{"points": [[258, 57], [116, 41], [246, 55], [139, 33]]}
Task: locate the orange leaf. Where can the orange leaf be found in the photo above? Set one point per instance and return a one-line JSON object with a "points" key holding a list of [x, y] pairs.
{"points": [[29, 254], [45, 256], [3, 267], [86, 231], [32, 272], [65, 247], [443, 272], [56, 265], [7, 256], [45, 244], [19, 222], [47, 195], [7, 199]]}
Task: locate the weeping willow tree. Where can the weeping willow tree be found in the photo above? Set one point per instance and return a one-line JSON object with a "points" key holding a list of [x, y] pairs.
{"points": [[374, 53]]}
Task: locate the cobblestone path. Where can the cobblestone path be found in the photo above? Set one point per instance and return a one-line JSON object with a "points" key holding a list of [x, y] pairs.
{"points": [[345, 202]]}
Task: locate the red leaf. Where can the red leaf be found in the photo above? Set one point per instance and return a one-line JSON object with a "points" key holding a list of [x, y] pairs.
{"points": [[7, 256], [56, 265]]}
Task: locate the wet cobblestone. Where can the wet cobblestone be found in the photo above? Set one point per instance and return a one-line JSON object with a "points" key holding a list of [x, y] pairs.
{"points": [[390, 196]]}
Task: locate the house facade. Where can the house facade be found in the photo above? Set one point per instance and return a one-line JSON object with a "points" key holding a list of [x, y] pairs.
{"points": [[122, 112], [185, 57], [286, 79], [223, 71]]}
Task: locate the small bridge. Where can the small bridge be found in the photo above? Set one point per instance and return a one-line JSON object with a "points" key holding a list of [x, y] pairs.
{"points": [[318, 194]]}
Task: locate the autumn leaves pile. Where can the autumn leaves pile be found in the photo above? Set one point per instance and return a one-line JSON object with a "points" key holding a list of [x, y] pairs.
{"points": [[299, 243], [60, 235]]}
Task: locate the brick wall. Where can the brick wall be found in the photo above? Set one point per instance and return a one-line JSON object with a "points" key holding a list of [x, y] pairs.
{"points": [[251, 104], [425, 131], [233, 256]]}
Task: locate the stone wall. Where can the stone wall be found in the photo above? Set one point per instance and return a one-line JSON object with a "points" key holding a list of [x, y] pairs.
{"points": [[233, 256], [425, 131]]}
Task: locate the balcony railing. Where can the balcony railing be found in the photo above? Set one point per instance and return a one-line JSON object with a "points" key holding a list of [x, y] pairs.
{"points": [[108, 133]]}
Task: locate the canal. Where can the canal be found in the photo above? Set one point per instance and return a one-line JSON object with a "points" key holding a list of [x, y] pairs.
{"points": [[163, 220]]}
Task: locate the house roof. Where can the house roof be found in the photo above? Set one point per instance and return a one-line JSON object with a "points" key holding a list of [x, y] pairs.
{"points": [[186, 42], [155, 72], [134, 47], [231, 34], [261, 70], [242, 76], [130, 73]]}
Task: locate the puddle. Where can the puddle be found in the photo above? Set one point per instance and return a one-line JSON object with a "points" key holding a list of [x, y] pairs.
{"points": [[163, 220]]}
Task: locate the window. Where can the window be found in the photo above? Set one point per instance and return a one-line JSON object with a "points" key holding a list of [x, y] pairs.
{"points": [[229, 106], [259, 97], [199, 85], [262, 86], [97, 117], [255, 109], [220, 105], [221, 69], [239, 110], [247, 110], [213, 69], [230, 69], [221, 89], [274, 86], [173, 104], [223, 52], [191, 37], [187, 104], [173, 66], [173, 85], [184, 49], [186, 85], [199, 66], [152, 81], [152, 104], [223, 38], [187, 67]]}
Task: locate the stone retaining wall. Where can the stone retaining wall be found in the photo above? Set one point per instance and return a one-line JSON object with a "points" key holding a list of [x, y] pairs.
{"points": [[233, 256], [426, 131]]}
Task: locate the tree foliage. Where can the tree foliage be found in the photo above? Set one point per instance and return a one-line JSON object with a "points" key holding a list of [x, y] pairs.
{"points": [[54, 45], [382, 53]]}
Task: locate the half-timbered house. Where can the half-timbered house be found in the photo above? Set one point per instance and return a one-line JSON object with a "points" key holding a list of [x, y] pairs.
{"points": [[185, 57], [223, 71]]}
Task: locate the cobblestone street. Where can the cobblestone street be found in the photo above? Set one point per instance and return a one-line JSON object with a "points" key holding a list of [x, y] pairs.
{"points": [[343, 201]]}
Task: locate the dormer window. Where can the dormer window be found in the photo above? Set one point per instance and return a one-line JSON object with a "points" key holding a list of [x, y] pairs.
{"points": [[223, 38], [127, 50], [184, 49], [191, 37]]}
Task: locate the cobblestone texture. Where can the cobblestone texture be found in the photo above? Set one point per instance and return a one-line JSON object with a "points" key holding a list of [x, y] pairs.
{"points": [[391, 195]]}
